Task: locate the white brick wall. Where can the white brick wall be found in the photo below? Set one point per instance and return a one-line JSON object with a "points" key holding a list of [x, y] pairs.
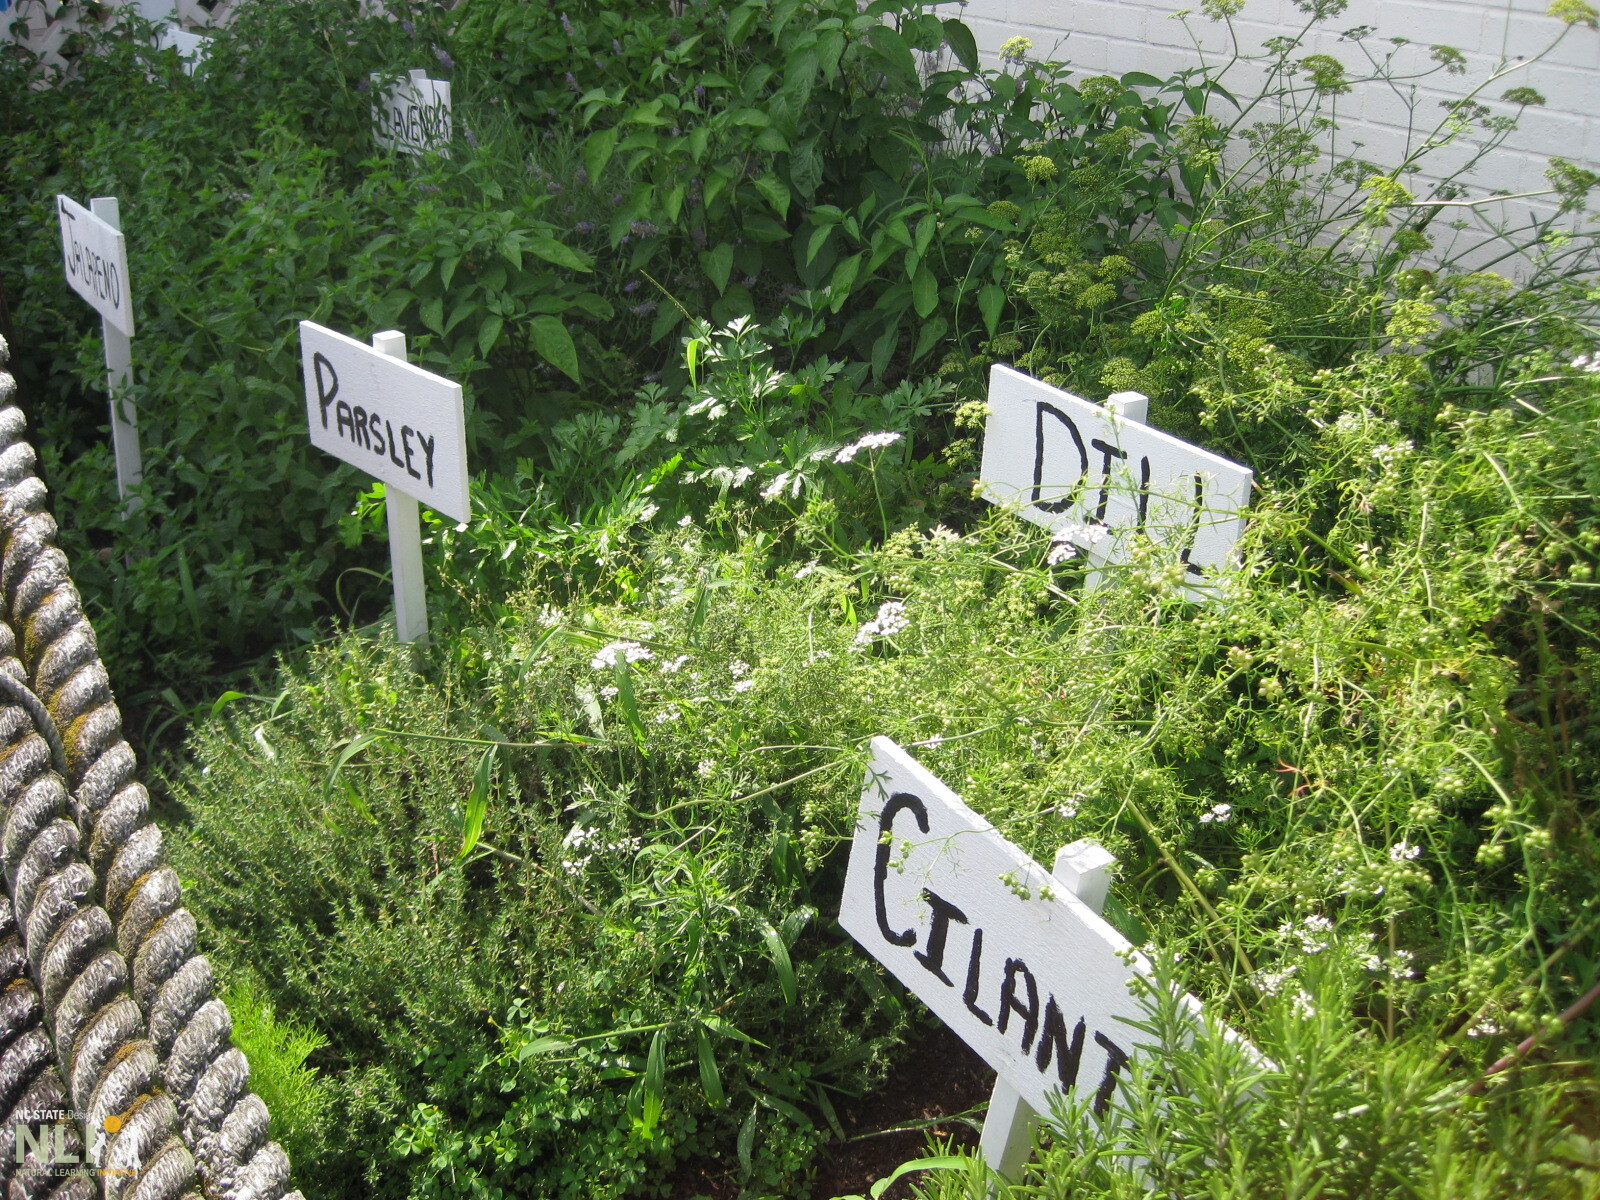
{"points": [[1116, 36]]}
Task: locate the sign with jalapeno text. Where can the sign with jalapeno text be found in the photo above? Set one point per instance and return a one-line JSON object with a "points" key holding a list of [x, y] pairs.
{"points": [[95, 257], [414, 115], [1100, 481], [397, 422], [1023, 971]]}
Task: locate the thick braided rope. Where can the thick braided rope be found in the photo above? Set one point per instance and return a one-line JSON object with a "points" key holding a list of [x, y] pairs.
{"points": [[223, 1122], [101, 1048], [30, 1085]]}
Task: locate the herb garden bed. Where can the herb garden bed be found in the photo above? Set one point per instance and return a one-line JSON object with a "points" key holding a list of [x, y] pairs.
{"points": [[547, 905]]}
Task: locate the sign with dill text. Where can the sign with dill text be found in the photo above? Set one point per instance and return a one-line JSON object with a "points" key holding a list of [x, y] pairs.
{"points": [[1023, 971], [95, 257], [414, 115], [1100, 481], [395, 421]]}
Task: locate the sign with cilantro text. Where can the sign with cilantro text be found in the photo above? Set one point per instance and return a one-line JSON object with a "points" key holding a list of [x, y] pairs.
{"points": [[414, 115], [1100, 481], [396, 422], [1025, 972], [95, 257]]}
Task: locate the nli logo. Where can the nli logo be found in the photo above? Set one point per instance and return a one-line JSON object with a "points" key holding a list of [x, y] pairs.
{"points": [[48, 1149]]}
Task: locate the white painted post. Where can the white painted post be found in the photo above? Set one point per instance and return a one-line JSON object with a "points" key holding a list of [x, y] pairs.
{"points": [[1084, 869], [1130, 406], [405, 534], [119, 377]]}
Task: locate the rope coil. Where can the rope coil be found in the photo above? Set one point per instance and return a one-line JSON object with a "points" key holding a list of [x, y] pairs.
{"points": [[115, 1013]]}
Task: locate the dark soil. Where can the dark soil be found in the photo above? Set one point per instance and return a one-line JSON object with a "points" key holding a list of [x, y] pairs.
{"points": [[936, 1076]]}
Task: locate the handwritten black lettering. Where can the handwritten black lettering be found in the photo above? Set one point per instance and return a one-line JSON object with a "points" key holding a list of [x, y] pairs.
{"points": [[943, 913], [1066, 502], [1144, 493], [1008, 1001], [974, 965], [1108, 452], [378, 445], [427, 454], [1116, 1059], [1194, 527], [326, 389], [361, 436], [900, 801], [405, 443], [388, 432], [343, 418], [1053, 1042]]}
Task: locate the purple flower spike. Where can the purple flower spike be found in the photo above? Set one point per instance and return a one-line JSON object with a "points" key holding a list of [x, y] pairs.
{"points": [[644, 228], [444, 57], [749, 281], [643, 310], [616, 200], [555, 188], [616, 46], [582, 177], [572, 82], [409, 28], [699, 91], [566, 24], [471, 138], [631, 286], [584, 227]]}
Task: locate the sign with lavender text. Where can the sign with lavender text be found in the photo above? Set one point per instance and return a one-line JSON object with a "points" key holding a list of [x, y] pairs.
{"points": [[413, 117]]}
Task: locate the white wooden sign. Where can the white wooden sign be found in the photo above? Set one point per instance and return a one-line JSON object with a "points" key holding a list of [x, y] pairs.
{"points": [[1025, 972], [414, 116], [395, 421], [1102, 478], [192, 48], [94, 255], [406, 426], [96, 260]]}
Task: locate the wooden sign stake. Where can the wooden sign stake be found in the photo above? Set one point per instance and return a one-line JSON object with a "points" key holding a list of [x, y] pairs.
{"points": [[119, 377], [405, 534], [1084, 869]]}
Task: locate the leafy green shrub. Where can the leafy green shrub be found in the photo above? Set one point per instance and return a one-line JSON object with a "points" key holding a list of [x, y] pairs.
{"points": [[294, 1093], [539, 885]]}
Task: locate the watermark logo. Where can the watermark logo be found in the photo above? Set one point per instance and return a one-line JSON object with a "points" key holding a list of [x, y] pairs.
{"points": [[45, 1144]]}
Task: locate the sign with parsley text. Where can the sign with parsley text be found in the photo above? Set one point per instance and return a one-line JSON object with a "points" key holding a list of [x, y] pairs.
{"points": [[95, 257], [1100, 481], [1024, 972], [414, 115], [395, 421]]}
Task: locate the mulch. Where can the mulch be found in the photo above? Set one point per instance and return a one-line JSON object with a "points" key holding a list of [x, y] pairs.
{"points": [[936, 1076]]}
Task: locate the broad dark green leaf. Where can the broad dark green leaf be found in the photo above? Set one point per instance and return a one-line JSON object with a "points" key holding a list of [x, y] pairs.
{"points": [[717, 263], [991, 302], [894, 53], [559, 253], [962, 44], [597, 153], [553, 343]]}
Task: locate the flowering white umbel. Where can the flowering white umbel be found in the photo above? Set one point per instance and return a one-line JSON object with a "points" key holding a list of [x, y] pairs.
{"points": [[891, 619], [610, 655], [871, 441], [1066, 540], [1403, 852], [1588, 362], [1219, 813]]}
